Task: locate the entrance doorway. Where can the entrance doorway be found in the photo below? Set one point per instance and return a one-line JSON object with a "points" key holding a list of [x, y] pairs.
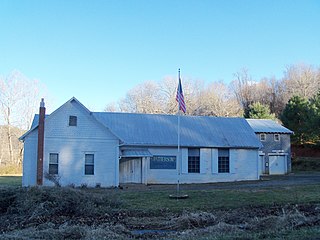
{"points": [[277, 164], [130, 170]]}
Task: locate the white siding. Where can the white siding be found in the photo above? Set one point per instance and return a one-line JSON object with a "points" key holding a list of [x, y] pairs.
{"points": [[234, 156], [89, 136], [184, 160], [72, 143], [163, 175], [57, 124], [29, 171], [243, 166], [245, 163], [205, 160], [214, 160], [72, 161]]}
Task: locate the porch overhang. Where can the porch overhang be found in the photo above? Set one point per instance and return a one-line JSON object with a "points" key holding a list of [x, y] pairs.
{"points": [[135, 153]]}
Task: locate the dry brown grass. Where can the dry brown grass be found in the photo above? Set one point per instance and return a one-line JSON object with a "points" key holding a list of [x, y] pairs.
{"points": [[73, 213], [11, 169]]}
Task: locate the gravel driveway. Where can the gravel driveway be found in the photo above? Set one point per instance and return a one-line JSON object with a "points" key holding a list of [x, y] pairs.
{"points": [[266, 182]]}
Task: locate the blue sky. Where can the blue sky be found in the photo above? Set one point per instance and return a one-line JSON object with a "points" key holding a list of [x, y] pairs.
{"points": [[98, 50]]}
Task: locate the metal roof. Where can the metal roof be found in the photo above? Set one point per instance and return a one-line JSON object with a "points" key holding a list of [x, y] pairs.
{"points": [[35, 121], [135, 153], [162, 130], [267, 126], [195, 131]]}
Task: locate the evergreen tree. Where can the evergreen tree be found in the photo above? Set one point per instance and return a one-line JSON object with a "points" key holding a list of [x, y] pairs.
{"points": [[259, 111], [315, 118], [297, 117]]}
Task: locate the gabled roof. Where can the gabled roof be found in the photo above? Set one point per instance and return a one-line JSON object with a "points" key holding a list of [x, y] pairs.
{"points": [[35, 121], [267, 126], [162, 130]]}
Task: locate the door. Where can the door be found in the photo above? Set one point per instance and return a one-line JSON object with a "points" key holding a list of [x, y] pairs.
{"points": [[262, 164], [130, 170], [277, 164]]}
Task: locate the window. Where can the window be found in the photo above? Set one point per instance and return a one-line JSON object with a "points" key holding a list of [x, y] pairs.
{"points": [[223, 161], [193, 160], [163, 162], [263, 136], [276, 137], [53, 163], [89, 164], [72, 120]]}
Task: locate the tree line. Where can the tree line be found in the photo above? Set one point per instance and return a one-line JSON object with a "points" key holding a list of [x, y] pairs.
{"points": [[268, 97], [293, 99]]}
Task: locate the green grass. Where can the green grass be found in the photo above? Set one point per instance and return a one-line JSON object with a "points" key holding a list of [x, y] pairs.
{"points": [[15, 181], [219, 199], [206, 200]]}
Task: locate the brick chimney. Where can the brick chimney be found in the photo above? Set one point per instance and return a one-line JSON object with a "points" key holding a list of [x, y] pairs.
{"points": [[42, 113]]}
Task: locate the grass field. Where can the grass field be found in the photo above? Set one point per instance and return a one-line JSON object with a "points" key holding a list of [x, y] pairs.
{"points": [[207, 200], [289, 212], [282, 212], [151, 200], [10, 181]]}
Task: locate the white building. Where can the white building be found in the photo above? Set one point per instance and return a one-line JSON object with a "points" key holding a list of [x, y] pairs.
{"points": [[106, 149]]}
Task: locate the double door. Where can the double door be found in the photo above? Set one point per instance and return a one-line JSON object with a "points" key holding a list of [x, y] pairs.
{"points": [[130, 170]]}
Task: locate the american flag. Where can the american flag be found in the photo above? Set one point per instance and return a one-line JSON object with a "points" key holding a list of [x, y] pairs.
{"points": [[180, 97]]}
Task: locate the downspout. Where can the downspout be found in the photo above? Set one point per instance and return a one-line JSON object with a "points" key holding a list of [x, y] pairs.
{"points": [[42, 113]]}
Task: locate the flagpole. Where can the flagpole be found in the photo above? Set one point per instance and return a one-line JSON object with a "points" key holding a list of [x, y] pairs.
{"points": [[178, 158], [182, 107]]}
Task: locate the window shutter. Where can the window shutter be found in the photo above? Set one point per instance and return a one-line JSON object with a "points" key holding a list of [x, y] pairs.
{"points": [[184, 160], [232, 160], [205, 157], [214, 160]]}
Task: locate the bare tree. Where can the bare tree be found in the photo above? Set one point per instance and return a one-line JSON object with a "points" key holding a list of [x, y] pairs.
{"points": [[168, 90], [112, 107], [217, 100], [242, 87], [277, 96], [301, 80], [159, 97], [268, 91], [18, 98]]}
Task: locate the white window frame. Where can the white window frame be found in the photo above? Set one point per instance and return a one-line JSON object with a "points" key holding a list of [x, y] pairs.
{"points": [[53, 163], [89, 164], [194, 160], [264, 138], [223, 160], [276, 139]]}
